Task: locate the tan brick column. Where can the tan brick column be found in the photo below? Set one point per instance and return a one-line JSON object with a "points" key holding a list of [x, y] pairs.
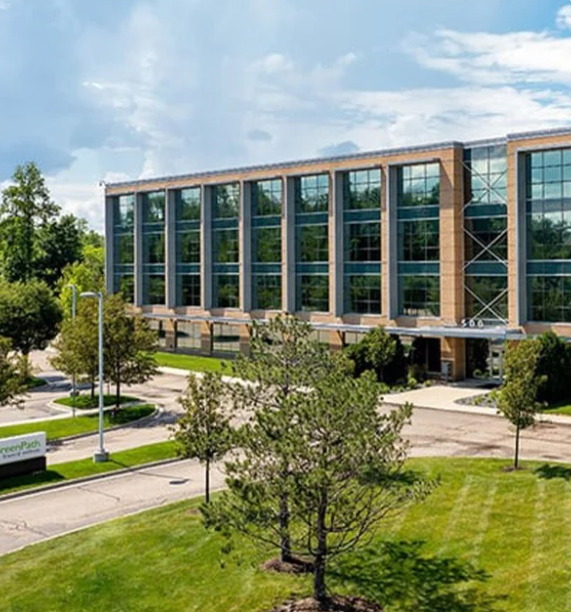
{"points": [[245, 335], [170, 334], [454, 350], [336, 341], [452, 237]]}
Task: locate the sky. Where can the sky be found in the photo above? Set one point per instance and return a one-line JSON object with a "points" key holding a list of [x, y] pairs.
{"points": [[112, 90]]}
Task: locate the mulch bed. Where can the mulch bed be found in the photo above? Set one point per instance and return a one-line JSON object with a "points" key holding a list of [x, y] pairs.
{"points": [[336, 604]]}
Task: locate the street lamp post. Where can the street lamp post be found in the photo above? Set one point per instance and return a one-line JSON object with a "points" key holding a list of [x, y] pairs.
{"points": [[73, 315], [100, 455]]}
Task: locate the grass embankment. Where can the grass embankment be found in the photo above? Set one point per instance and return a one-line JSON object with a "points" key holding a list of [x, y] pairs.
{"points": [[86, 402], [86, 467], [33, 382], [560, 408], [61, 428], [510, 530], [192, 363]]}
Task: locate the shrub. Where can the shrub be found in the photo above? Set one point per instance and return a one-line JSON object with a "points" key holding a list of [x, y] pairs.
{"points": [[553, 366]]}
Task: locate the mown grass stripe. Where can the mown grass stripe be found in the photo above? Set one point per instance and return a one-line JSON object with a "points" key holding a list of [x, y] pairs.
{"points": [[484, 521], [455, 514]]}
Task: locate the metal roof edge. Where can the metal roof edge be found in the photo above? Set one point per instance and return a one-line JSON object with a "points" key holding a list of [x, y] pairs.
{"points": [[341, 158]]}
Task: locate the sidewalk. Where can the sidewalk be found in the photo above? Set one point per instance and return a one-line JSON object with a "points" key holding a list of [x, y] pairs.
{"points": [[444, 397]]}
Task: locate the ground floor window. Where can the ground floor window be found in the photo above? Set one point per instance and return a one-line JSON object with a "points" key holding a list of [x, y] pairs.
{"points": [[159, 327], [225, 338], [549, 299], [125, 285], [188, 335]]}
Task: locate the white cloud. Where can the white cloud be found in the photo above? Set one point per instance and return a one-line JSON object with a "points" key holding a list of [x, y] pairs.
{"points": [[564, 17]]}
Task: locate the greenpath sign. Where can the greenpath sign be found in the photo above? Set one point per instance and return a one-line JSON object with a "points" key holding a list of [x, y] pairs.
{"points": [[22, 448]]}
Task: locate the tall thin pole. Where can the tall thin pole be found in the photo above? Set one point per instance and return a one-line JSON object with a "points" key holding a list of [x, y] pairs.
{"points": [[73, 315], [102, 452]]}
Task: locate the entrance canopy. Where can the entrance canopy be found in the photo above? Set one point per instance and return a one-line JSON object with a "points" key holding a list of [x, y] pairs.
{"points": [[441, 331]]}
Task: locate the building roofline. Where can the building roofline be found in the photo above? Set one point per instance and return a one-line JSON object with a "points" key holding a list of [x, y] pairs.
{"points": [[342, 158]]}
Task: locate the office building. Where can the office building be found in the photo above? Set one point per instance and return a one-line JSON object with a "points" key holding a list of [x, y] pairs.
{"points": [[457, 245]]}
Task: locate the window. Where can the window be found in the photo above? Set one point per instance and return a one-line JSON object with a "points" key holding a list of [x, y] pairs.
{"points": [[363, 294], [125, 284], [363, 242], [420, 296], [225, 338], [188, 204], [548, 190], [313, 243], [188, 335], [154, 248], [188, 244], [124, 210], [188, 290], [362, 189], [226, 201], [267, 244], [312, 194], [225, 246], [267, 198], [267, 291], [154, 207], [124, 249], [419, 185], [418, 239], [154, 289], [226, 290], [313, 292]]}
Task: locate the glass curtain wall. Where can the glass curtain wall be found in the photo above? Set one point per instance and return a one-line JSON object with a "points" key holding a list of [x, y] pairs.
{"points": [[418, 210], [312, 243], [225, 246], [486, 236], [267, 200], [124, 246], [548, 206], [362, 241], [153, 210], [187, 221]]}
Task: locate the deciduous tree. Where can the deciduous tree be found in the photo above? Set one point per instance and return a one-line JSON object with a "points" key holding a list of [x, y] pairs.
{"points": [[129, 344], [517, 398], [204, 431], [29, 315], [12, 374]]}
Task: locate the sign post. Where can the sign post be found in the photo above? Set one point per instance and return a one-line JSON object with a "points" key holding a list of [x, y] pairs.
{"points": [[22, 454]]}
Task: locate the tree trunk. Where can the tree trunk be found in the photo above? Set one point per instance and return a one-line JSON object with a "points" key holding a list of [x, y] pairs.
{"points": [[319, 588], [92, 389], [118, 394], [285, 541], [207, 482], [516, 457]]}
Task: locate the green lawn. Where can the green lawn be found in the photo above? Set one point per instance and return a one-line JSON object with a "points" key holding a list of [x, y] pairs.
{"points": [[192, 363], [86, 402], [561, 408], [483, 534], [86, 467], [60, 428]]}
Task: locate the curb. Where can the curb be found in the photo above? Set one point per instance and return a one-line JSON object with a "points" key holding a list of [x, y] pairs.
{"points": [[83, 479], [159, 410]]}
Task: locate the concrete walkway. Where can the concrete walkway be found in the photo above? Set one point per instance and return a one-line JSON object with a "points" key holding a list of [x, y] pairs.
{"points": [[42, 516]]}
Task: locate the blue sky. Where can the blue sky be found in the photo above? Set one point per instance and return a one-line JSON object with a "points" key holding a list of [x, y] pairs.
{"points": [[122, 89]]}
